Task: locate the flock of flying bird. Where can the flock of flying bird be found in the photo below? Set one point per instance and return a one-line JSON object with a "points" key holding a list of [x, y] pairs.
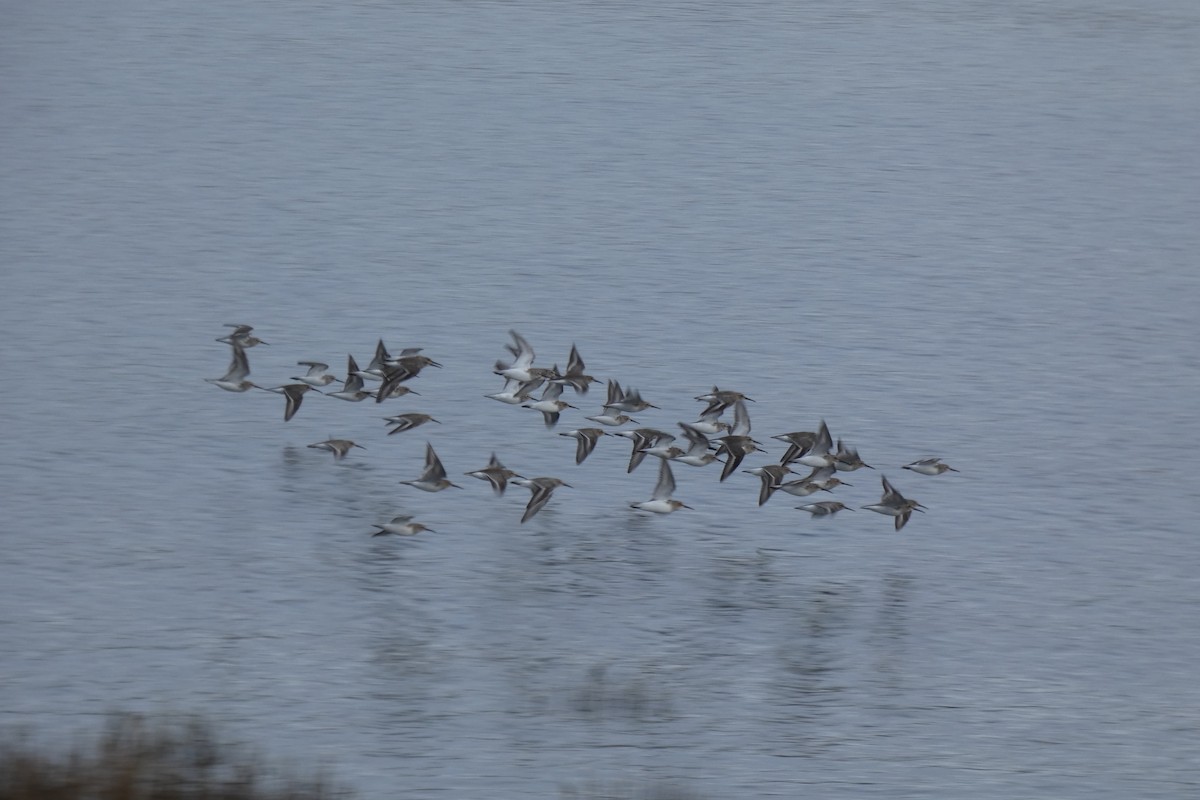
{"points": [[704, 441]]}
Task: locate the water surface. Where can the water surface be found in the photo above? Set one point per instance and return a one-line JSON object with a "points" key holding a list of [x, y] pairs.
{"points": [[953, 229]]}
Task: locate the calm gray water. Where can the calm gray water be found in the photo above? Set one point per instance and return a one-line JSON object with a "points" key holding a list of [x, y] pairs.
{"points": [[964, 229]]}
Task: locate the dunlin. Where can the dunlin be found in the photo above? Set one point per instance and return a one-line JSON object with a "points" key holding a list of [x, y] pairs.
{"points": [[293, 395], [575, 376], [771, 476], [737, 444], [612, 420], [709, 424], [234, 379], [522, 368], [660, 501], [819, 454], [627, 401], [317, 375], [401, 369], [819, 479], [352, 390], [339, 447], [585, 441], [642, 438], [550, 405], [719, 400], [826, 508], [494, 473], [241, 337], [926, 466], [396, 390], [401, 526], [894, 504], [515, 392], [374, 370], [410, 358], [406, 422], [799, 443], [433, 479], [697, 453], [800, 487], [846, 459], [542, 488]]}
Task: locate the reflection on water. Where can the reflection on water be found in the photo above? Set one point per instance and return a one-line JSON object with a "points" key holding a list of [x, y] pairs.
{"points": [[890, 631]]}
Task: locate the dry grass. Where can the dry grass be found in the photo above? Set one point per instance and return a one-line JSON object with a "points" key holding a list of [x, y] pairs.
{"points": [[139, 759]]}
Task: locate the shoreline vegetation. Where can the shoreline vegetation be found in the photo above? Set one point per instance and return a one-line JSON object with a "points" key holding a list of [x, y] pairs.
{"points": [[138, 758]]}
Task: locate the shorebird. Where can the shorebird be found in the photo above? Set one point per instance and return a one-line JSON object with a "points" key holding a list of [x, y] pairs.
{"points": [[395, 371], [799, 443], [550, 405], [494, 473], [542, 488], [574, 376], [401, 526], [397, 390], [642, 438], [241, 337], [234, 379], [515, 392], [800, 487], [660, 501], [612, 419], [894, 504], [826, 508], [410, 358], [339, 447], [352, 390], [627, 401], [846, 459], [374, 370], [771, 476], [293, 394], [697, 454], [585, 441], [737, 444], [819, 454], [927, 466], [406, 422], [317, 375], [522, 368], [709, 424], [433, 479], [818, 479], [719, 400]]}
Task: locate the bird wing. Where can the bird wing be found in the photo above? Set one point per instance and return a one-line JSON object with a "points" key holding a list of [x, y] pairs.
{"points": [[239, 365], [433, 465], [666, 482]]}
